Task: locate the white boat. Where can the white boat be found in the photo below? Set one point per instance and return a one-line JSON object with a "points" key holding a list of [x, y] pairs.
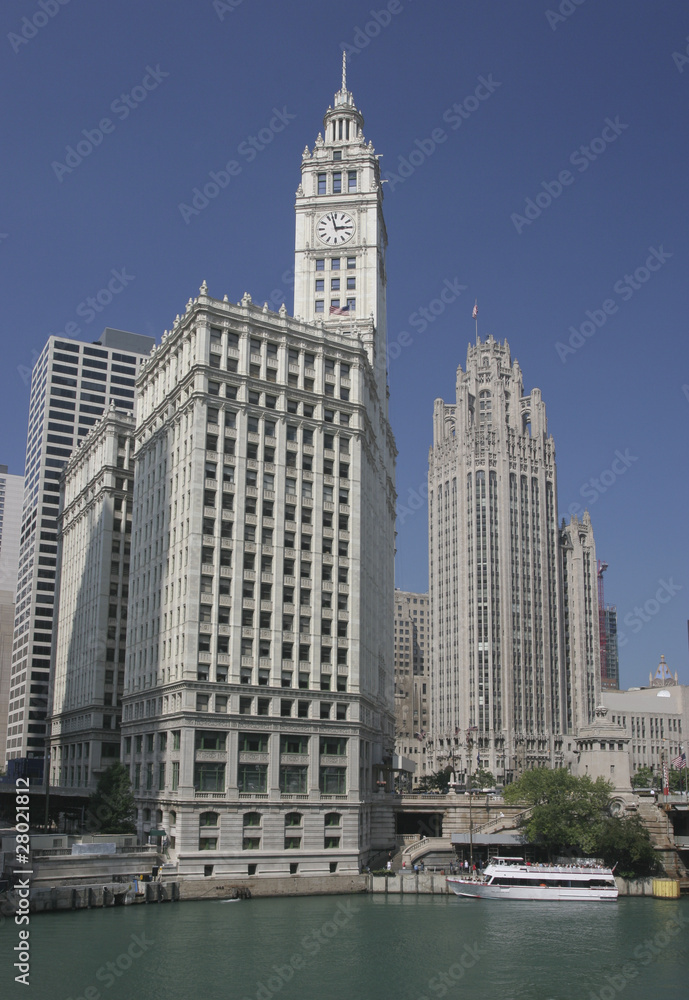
{"points": [[513, 878]]}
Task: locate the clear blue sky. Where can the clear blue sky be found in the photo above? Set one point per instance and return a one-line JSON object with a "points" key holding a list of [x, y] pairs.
{"points": [[457, 218]]}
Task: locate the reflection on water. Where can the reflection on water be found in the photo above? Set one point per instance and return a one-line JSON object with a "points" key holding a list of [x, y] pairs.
{"points": [[360, 947]]}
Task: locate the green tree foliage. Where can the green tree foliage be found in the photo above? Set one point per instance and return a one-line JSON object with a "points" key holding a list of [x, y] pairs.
{"points": [[482, 779], [111, 806], [644, 778], [438, 781], [625, 842], [569, 812]]}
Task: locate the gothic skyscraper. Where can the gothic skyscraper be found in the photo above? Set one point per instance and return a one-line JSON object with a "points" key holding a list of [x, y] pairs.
{"points": [[514, 654]]}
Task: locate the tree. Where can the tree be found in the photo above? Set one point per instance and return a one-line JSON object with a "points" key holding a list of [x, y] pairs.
{"points": [[646, 777], [438, 781], [482, 779], [643, 778], [626, 843], [111, 806], [570, 812]]}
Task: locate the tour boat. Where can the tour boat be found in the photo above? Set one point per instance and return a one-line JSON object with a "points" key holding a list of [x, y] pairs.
{"points": [[513, 878]]}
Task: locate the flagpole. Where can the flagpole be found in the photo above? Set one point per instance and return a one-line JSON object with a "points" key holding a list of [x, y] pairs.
{"points": [[475, 316]]}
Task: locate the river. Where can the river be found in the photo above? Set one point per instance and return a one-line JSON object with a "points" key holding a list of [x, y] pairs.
{"points": [[358, 947]]}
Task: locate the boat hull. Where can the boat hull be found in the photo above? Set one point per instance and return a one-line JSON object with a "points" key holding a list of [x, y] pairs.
{"points": [[540, 893]]}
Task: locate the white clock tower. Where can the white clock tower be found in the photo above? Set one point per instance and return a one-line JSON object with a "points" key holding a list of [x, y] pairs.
{"points": [[340, 236]]}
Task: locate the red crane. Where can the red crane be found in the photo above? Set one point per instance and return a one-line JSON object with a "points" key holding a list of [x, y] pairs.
{"points": [[602, 629]]}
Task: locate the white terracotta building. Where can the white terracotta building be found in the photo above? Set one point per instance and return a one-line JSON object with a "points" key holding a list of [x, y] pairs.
{"points": [[258, 707]]}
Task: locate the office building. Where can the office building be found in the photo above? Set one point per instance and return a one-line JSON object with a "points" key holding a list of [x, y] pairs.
{"points": [[11, 498], [94, 553], [412, 697], [655, 718], [514, 613], [71, 385], [610, 671], [258, 705]]}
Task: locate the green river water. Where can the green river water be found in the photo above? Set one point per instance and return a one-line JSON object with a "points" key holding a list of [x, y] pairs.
{"points": [[357, 947]]}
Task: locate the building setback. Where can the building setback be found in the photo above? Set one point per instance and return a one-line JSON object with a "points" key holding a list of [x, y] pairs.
{"points": [[87, 676], [258, 722], [514, 613], [71, 385]]}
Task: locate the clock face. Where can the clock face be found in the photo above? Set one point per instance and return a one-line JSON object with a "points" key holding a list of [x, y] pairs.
{"points": [[335, 228]]}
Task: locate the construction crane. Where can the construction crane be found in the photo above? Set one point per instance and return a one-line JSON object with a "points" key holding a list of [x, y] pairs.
{"points": [[602, 628]]}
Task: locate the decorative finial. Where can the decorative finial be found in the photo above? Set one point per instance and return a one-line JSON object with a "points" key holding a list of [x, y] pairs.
{"points": [[344, 70]]}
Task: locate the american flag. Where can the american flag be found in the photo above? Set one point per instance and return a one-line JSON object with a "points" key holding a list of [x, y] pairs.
{"points": [[680, 761], [338, 310], [474, 313]]}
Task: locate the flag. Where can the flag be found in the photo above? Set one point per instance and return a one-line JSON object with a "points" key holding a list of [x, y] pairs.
{"points": [[680, 761], [338, 310], [474, 313]]}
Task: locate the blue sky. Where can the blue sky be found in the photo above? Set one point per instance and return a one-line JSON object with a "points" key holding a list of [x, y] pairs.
{"points": [[199, 79]]}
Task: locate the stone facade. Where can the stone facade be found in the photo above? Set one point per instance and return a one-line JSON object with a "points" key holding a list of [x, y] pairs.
{"points": [[72, 384], [91, 615], [258, 724], [514, 615], [412, 696], [655, 721]]}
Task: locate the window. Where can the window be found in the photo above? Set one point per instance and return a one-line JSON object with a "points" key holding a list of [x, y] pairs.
{"points": [[351, 180], [253, 742], [293, 819], [293, 778], [208, 843], [333, 780], [210, 740], [209, 819], [202, 701], [294, 744], [292, 843], [333, 819], [175, 776], [209, 776], [331, 843], [351, 283], [176, 737], [321, 183], [337, 182], [251, 844], [252, 778], [252, 819], [320, 285], [334, 286], [333, 746], [335, 264], [320, 265]]}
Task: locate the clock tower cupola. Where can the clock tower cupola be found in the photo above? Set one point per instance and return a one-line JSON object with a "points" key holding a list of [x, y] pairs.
{"points": [[340, 237]]}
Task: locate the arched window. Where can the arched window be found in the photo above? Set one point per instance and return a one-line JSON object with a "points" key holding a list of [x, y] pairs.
{"points": [[485, 407], [252, 819], [173, 817], [293, 819], [333, 819], [209, 819]]}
